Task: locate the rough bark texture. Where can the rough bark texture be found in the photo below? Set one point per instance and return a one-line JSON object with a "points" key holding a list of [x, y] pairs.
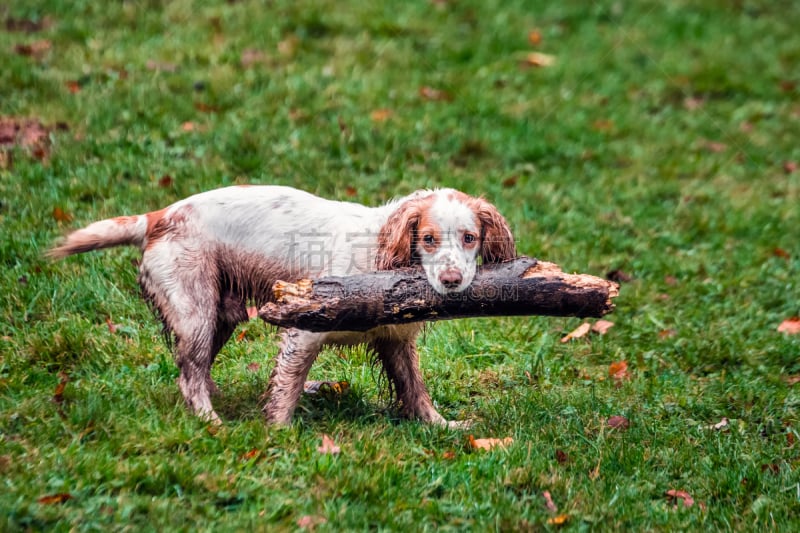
{"points": [[523, 286]]}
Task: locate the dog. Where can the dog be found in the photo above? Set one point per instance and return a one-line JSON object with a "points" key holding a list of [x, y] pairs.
{"points": [[205, 258]]}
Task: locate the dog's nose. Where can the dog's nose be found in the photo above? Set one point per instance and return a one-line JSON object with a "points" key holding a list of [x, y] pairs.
{"points": [[451, 278]]}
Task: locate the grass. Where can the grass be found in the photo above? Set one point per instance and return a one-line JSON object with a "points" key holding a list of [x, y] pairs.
{"points": [[657, 144]]}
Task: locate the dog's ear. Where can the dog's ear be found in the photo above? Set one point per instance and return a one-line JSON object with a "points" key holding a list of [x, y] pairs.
{"points": [[497, 241], [397, 236]]}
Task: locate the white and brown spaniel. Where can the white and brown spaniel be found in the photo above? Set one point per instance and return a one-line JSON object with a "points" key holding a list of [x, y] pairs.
{"points": [[206, 257]]}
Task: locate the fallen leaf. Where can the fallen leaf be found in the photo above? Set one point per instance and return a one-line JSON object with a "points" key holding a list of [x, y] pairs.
{"points": [[790, 166], [618, 422], [434, 95], [335, 388], [603, 125], [619, 276], [112, 328], [562, 457], [310, 522], [790, 438], [350, 191], [788, 86], [73, 86], [535, 37], [51, 499], [676, 495], [792, 380], [666, 333], [449, 455], [715, 146], [671, 280], [189, 126], [692, 103], [488, 444], [783, 254], [206, 108], [578, 332], [559, 520], [254, 367], [328, 446], [165, 181], [251, 56], [28, 25], [601, 327], [773, 468], [59, 215], [58, 393], [719, 425], [36, 49], [538, 59], [790, 326], [288, 46], [255, 453], [242, 334], [548, 502], [510, 181], [381, 115], [618, 371]]}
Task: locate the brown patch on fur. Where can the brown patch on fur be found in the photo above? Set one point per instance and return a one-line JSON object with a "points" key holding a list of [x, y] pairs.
{"points": [[396, 240], [497, 241], [125, 220]]}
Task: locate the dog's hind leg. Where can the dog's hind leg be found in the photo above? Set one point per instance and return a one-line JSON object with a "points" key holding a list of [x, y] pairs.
{"points": [[297, 353], [186, 295]]}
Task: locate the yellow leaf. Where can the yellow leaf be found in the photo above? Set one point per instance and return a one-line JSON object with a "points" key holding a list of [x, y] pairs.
{"points": [[559, 520], [488, 444]]}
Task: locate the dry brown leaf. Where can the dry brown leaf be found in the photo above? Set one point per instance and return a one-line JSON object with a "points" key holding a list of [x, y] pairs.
{"points": [[73, 86], [578, 332], [288, 46], [548, 502], [165, 181], [251, 56], [328, 446], [790, 326], [559, 520], [790, 166], [676, 495], [618, 371], [206, 108], [59, 215], [189, 126], [562, 457], [618, 422], [350, 191], [783, 254], [434, 95], [603, 125], [36, 49], [535, 37], [722, 424], [255, 453], [666, 334], [449, 455], [490, 443], [538, 59], [715, 146], [51, 499], [325, 388], [620, 276], [601, 327], [510, 181], [254, 367], [112, 328], [381, 115], [242, 334], [791, 380], [58, 393], [28, 25], [310, 522]]}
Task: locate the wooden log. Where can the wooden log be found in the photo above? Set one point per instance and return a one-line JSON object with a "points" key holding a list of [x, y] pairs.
{"points": [[524, 286]]}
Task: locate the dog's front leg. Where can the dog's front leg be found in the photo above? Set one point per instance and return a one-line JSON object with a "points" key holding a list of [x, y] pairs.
{"points": [[401, 362], [298, 350]]}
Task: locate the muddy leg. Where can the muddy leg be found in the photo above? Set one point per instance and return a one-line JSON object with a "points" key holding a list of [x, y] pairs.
{"points": [[297, 353]]}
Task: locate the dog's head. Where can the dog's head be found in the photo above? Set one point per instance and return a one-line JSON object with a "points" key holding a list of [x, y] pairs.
{"points": [[445, 231]]}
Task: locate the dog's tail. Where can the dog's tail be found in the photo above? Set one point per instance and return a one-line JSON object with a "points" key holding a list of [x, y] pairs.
{"points": [[119, 231]]}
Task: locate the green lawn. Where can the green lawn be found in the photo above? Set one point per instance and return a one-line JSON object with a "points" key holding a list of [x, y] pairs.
{"points": [[662, 143]]}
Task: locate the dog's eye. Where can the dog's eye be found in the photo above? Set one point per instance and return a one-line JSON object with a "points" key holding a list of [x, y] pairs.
{"points": [[428, 239], [469, 238]]}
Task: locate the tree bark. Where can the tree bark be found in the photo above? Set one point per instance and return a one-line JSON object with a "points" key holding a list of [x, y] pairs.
{"points": [[524, 286]]}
